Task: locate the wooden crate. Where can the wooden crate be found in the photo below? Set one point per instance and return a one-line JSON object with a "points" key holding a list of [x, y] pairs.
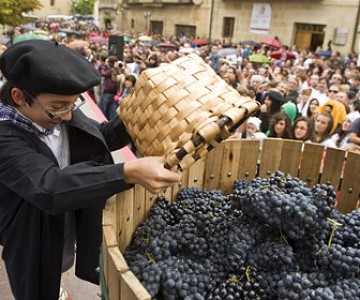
{"points": [[231, 160]]}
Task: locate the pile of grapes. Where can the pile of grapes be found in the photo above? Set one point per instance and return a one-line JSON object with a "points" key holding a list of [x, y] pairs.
{"points": [[271, 238]]}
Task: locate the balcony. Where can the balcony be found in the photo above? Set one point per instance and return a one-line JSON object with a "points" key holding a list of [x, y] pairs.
{"points": [[108, 4]]}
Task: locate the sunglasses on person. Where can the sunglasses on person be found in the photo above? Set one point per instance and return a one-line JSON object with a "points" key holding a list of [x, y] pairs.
{"points": [[54, 115], [333, 91]]}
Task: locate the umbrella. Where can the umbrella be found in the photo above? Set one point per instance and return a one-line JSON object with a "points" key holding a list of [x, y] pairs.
{"points": [[71, 32], [259, 58], [324, 53], [98, 39], [166, 45], [187, 50], [250, 43], [40, 31], [271, 42], [278, 54], [78, 44], [145, 38], [200, 42], [27, 37], [229, 51]]}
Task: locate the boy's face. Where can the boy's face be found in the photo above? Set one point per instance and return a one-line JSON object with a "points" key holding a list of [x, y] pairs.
{"points": [[44, 104], [250, 129]]}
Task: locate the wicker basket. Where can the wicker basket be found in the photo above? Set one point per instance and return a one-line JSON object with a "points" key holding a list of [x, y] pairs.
{"points": [[182, 110]]}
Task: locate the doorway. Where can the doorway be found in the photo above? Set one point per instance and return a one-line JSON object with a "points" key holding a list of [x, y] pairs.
{"points": [[309, 36]]}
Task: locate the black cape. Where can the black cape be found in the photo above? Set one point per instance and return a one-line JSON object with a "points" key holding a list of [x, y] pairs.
{"points": [[35, 194]]}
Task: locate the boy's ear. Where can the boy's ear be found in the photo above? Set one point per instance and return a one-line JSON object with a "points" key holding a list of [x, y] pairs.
{"points": [[18, 97]]}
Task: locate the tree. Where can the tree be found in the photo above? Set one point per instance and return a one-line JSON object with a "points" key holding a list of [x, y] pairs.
{"points": [[82, 7], [12, 11]]}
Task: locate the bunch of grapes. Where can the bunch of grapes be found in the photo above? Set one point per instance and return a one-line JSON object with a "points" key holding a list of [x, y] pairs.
{"points": [[271, 238]]}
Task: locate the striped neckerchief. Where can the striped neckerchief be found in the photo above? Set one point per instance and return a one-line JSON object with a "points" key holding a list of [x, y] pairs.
{"points": [[10, 113]]}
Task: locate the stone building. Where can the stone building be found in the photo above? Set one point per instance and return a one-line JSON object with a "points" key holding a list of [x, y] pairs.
{"points": [[306, 23]]}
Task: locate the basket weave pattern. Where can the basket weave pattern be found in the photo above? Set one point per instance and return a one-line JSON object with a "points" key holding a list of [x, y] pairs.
{"points": [[181, 110]]}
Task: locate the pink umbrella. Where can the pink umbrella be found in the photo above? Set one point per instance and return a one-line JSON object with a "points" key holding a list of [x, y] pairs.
{"points": [[98, 39], [282, 53], [271, 42]]}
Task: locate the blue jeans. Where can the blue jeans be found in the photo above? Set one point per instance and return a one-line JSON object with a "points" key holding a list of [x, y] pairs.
{"points": [[108, 105]]}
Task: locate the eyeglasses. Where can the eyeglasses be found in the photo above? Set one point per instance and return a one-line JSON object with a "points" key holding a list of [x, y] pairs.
{"points": [[54, 115], [332, 91]]}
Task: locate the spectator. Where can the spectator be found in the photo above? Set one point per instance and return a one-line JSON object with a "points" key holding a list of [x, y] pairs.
{"points": [[109, 88], [280, 126], [271, 106], [322, 130], [303, 129], [341, 138]]}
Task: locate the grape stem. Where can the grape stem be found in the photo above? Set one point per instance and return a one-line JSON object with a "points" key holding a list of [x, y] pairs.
{"points": [[335, 224]]}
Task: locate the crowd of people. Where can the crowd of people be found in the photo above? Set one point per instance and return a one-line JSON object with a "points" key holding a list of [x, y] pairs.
{"points": [[301, 90]]}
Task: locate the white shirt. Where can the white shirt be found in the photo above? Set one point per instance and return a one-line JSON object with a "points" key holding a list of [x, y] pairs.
{"points": [[58, 142]]}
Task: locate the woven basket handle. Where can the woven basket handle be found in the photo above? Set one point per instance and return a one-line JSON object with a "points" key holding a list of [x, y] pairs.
{"points": [[174, 159]]}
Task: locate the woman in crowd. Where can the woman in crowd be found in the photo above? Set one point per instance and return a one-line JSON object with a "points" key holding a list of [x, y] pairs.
{"points": [[271, 106], [313, 105], [322, 131], [336, 110], [303, 129], [341, 138], [280, 126]]}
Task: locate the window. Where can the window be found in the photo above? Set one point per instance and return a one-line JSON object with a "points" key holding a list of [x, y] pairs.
{"points": [[52, 2], [132, 23], [228, 27]]}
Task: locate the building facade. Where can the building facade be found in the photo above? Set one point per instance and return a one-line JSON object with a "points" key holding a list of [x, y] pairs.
{"points": [[307, 23]]}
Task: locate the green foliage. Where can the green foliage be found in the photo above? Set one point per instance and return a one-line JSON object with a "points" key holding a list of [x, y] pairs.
{"points": [[82, 7], [11, 11]]}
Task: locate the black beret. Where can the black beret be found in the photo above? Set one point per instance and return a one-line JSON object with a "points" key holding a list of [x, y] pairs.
{"points": [[47, 67]]}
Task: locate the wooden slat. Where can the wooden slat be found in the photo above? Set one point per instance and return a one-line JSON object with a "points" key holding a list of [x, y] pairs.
{"points": [[310, 163], [109, 236], [109, 212], [350, 186], [230, 165], [290, 157], [139, 205], [213, 168], [125, 211], [116, 265], [197, 174], [270, 156], [333, 167], [131, 288], [249, 155]]}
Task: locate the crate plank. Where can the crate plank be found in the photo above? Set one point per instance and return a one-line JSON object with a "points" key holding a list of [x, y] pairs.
{"points": [[350, 185], [333, 167], [109, 236], [290, 157], [230, 165], [116, 265], [270, 156], [249, 155], [197, 174], [125, 211], [213, 168], [311, 159], [109, 212], [139, 205], [131, 288]]}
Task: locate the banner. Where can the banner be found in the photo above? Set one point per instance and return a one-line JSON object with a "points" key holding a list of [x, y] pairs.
{"points": [[261, 18]]}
